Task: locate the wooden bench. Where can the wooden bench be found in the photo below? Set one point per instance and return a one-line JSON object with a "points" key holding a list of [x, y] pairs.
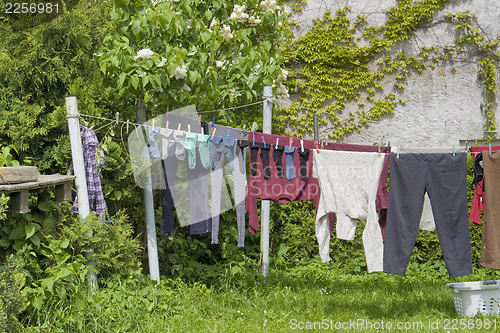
{"points": [[19, 198]]}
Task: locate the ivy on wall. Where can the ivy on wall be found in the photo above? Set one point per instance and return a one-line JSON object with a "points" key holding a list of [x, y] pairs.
{"points": [[344, 64]]}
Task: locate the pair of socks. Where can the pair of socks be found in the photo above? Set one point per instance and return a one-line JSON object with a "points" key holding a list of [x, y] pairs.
{"points": [[278, 160]]}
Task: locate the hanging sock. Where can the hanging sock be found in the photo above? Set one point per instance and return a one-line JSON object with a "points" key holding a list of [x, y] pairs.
{"points": [[190, 146], [290, 171], [278, 159], [264, 156], [204, 149], [254, 149], [303, 157], [154, 151]]}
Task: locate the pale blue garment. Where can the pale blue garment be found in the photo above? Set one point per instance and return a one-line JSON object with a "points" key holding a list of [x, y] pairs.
{"points": [[190, 145], [204, 149], [290, 171], [154, 151]]}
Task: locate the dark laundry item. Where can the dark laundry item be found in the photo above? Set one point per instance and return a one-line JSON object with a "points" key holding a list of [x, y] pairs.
{"points": [[254, 150], [303, 157], [444, 178], [290, 171], [278, 160], [264, 157], [171, 164]]}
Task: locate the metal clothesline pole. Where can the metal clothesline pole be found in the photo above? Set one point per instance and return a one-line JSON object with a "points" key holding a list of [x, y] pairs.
{"points": [[266, 204], [154, 266], [81, 180]]}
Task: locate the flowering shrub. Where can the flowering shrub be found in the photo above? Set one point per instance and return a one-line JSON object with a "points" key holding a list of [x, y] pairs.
{"points": [[209, 53]]}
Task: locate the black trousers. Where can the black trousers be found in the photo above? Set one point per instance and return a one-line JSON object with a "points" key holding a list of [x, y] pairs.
{"points": [[444, 177]]}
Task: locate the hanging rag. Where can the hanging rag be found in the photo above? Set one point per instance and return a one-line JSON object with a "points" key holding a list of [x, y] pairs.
{"points": [[93, 168]]}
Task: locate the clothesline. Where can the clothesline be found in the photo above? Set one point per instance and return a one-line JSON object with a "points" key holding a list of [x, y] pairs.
{"points": [[138, 124]]}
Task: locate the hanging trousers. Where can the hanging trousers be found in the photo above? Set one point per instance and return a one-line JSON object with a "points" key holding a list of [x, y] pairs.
{"points": [[490, 250], [198, 196], [237, 163], [444, 178]]}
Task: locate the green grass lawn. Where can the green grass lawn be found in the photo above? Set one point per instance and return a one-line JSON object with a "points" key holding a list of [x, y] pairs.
{"points": [[305, 298]]}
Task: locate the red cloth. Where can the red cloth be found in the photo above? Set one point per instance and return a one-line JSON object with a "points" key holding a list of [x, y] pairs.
{"points": [[281, 190], [479, 193], [477, 203]]}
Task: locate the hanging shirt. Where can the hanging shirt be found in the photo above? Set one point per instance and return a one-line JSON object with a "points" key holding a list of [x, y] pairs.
{"points": [[260, 188], [90, 146]]}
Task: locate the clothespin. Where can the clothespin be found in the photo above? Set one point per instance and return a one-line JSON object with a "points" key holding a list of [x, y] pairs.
{"points": [[213, 133], [466, 146], [127, 125], [475, 144], [202, 131], [277, 142], [453, 150], [117, 117], [398, 149], [302, 145], [153, 124], [189, 129], [241, 136], [253, 139], [290, 143], [179, 127], [389, 145], [490, 148], [227, 139], [378, 151], [199, 119], [264, 141], [166, 126], [213, 121], [316, 143]]}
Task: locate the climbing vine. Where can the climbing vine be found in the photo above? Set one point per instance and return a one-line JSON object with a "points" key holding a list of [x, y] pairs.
{"points": [[344, 63]]}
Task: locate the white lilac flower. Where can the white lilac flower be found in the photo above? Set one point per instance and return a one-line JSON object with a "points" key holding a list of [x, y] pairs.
{"points": [[238, 14], [158, 89], [235, 62], [219, 64], [282, 92], [180, 72], [254, 21], [185, 87], [163, 62], [256, 68], [269, 5], [214, 22], [280, 41], [226, 33], [233, 92], [188, 23], [284, 74], [144, 54]]}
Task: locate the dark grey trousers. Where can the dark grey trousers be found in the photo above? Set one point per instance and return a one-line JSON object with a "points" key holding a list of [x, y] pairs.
{"points": [[444, 177]]}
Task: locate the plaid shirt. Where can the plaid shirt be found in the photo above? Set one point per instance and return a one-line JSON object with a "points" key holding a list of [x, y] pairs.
{"points": [[90, 144]]}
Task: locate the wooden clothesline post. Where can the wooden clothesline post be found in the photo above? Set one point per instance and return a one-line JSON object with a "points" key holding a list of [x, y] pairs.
{"points": [[81, 179]]}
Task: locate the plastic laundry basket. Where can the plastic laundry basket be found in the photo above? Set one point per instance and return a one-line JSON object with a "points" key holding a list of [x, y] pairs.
{"points": [[471, 297]]}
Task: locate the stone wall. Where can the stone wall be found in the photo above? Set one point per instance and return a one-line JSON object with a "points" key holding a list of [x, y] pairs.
{"points": [[443, 105]]}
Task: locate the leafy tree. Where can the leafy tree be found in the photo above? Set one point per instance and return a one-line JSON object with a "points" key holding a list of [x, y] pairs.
{"points": [[208, 53]]}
